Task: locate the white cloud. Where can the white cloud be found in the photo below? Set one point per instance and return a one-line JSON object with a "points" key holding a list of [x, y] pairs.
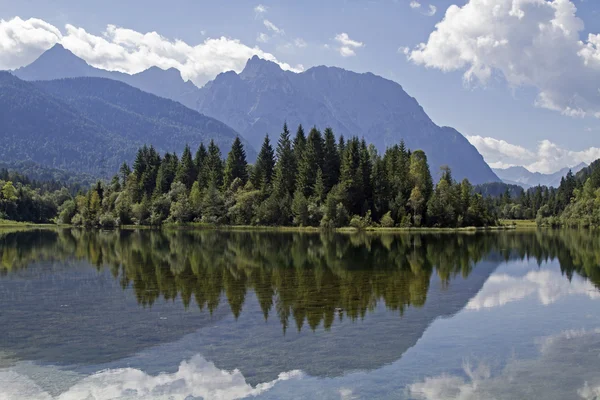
{"points": [[500, 290], [547, 158], [299, 42], [195, 378], [260, 9], [262, 37], [126, 50], [431, 11], [21, 42], [347, 45], [272, 27], [533, 43]]}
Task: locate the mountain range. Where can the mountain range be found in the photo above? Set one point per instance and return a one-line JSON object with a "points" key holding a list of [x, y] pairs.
{"points": [[92, 125], [523, 177], [259, 99]]}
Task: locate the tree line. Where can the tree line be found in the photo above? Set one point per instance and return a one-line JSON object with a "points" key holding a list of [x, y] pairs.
{"points": [[305, 180], [575, 203]]}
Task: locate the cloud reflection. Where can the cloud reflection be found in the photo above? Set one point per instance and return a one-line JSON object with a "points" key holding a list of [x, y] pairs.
{"points": [[549, 286], [195, 378]]}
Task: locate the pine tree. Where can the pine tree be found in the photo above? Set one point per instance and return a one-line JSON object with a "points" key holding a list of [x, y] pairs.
{"points": [[200, 157], [212, 169], [331, 160], [299, 144], [311, 162], [186, 173], [262, 175], [236, 165], [285, 169]]}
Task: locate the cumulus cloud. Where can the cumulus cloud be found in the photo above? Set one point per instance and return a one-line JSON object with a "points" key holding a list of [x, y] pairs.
{"points": [[21, 42], [532, 43], [547, 158], [126, 50], [195, 378], [549, 287], [272, 27], [348, 46]]}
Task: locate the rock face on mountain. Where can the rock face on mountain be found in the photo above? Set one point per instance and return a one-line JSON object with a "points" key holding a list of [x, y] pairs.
{"points": [[523, 177], [262, 96], [59, 63], [92, 125]]}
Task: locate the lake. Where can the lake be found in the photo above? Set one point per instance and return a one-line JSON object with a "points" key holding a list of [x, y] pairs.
{"points": [[190, 314]]}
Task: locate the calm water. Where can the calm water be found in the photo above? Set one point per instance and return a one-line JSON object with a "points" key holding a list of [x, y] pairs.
{"points": [[222, 315]]}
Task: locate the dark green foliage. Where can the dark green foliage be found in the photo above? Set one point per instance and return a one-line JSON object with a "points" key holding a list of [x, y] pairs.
{"points": [[236, 166], [262, 174], [186, 171], [361, 189]]}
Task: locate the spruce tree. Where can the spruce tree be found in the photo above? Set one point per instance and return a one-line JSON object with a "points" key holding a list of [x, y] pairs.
{"points": [[285, 169], [212, 169], [200, 157], [186, 173], [236, 165], [311, 162], [331, 160], [299, 144], [262, 173]]}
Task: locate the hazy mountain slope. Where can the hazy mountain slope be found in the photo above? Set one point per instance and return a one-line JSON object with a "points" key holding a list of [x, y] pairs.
{"points": [[36, 126], [93, 124], [262, 96], [58, 63], [525, 178]]}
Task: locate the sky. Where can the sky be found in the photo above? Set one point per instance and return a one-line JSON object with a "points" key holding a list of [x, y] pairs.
{"points": [[519, 78]]}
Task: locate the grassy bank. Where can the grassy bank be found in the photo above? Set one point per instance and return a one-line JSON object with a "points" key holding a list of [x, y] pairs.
{"points": [[519, 223]]}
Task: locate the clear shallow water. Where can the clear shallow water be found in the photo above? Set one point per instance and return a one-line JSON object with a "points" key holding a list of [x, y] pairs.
{"points": [[188, 314]]}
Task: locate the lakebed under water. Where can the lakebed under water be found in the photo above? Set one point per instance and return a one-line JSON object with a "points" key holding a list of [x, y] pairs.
{"points": [[187, 314]]}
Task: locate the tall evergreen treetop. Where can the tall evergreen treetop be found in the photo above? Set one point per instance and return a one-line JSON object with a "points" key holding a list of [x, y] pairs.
{"points": [[265, 165], [236, 165]]}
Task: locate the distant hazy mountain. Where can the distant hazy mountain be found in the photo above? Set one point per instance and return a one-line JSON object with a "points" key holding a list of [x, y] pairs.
{"points": [[262, 96], [259, 99], [58, 63], [92, 124], [523, 177]]}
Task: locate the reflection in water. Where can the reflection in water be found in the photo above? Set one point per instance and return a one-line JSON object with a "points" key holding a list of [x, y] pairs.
{"points": [[307, 278], [348, 305], [194, 378]]}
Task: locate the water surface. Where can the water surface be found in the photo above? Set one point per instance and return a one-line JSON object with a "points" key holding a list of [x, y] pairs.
{"points": [[225, 315]]}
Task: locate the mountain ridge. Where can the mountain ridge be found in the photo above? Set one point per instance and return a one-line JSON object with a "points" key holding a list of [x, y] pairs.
{"points": [[254, 102], [262, 96], [521, 176], [92, 125]]}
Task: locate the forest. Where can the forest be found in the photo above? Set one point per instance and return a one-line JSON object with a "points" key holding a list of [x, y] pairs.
{"points": [[308, 180], [314, 180]]}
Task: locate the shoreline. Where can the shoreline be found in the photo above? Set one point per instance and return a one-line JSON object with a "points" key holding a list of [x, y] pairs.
{"points": [[262, 228]]}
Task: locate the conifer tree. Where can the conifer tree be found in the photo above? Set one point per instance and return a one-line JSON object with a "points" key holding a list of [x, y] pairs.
{"points": [[213, 167], [186, 173], [236, 165], [262, 174], [299, 144], [311, 162], [285, 169], [331, 160]]}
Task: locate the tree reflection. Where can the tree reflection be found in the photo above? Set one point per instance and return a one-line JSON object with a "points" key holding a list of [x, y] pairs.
{"points": [[304, 279]]}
